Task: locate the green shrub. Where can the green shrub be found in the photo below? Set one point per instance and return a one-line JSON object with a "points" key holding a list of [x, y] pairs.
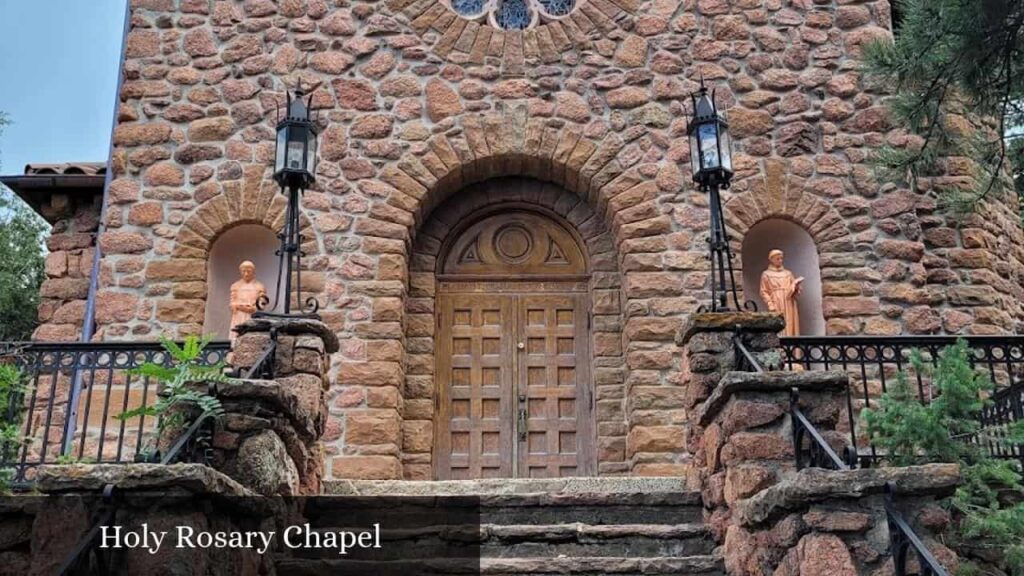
{"points": [[179, 403], [988, 504], [12, 386]]}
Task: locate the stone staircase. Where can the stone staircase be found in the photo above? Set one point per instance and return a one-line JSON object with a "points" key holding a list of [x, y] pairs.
{"points": [[582, 526]]}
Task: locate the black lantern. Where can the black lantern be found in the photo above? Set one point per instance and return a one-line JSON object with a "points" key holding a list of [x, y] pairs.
{"points": [[710, 145], [711, 158], [295, 160], [294, 170]]}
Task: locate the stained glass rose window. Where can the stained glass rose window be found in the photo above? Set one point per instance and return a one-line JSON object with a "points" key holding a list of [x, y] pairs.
{"points": [[512, 14]]}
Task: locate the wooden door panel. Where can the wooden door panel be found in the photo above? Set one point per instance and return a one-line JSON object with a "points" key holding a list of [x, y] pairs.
{"points": [[514, 396], [475, 387], [553, 380]]}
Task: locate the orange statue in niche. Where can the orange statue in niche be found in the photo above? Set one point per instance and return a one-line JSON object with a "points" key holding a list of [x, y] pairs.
{"points": [[244, 294], [779, 290]]}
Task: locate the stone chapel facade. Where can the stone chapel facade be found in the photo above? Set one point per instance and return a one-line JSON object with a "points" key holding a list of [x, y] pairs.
{"points": [[503, 234]]}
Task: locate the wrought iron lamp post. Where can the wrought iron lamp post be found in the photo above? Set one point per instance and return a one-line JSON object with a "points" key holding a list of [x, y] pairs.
{"points": [[294, 170], [711, 157]]}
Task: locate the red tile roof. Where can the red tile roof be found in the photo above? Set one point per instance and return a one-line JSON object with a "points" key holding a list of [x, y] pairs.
{"points": [[67, 168]]}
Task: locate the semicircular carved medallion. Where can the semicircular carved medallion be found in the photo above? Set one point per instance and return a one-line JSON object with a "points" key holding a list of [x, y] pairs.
{"points": [[517, 243]]}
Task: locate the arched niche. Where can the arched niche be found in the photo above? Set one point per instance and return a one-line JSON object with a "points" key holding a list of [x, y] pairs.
{"points": [[253, 242], [801, 258]]}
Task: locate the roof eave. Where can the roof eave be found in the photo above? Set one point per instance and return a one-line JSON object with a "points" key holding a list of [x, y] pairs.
{"points": [[36, 189]]}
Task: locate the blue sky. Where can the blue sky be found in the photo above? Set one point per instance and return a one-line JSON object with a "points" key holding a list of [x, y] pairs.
{"points": [[58, 75]]}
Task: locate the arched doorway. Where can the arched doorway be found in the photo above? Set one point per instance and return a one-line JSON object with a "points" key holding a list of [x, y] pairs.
{"points": [[801, 256], [514, 394]]}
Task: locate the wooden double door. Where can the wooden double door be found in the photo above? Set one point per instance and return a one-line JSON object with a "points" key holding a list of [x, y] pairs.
{"points": [[514, 391]]}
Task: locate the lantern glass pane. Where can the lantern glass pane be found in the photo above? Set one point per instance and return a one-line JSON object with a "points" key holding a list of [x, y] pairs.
{"points": [[726, 147], [296, 155], [282, 137], [694, 153], [311, 159], [708, 135]]}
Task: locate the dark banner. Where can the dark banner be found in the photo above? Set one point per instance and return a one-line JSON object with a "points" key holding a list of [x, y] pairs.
{"points": [[177, 533]]}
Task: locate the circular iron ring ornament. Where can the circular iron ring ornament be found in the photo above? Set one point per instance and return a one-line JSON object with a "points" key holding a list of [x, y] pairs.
{"points": [[262, 301], [310, 307]]}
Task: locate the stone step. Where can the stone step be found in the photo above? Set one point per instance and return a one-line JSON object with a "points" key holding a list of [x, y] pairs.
{"points": [[583, 540], [622, 526], [525, 541], [539, 501], [705, 565], [498, 486], [652, 508]]}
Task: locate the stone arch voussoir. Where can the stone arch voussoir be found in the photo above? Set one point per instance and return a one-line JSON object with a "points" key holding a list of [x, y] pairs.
{"points": [[255, 199], [777, 195], [604, 171]]}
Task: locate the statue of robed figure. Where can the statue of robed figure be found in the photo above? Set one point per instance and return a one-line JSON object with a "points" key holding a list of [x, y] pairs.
{"points": [[244, 294], [779, 290]]}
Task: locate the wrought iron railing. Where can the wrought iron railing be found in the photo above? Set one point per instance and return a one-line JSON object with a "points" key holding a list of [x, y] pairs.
{"points": [[745, 359], [88, 557], [816, 452], [68, 409], [873, 363], [903, 541], [812, 450], [263, 367]]}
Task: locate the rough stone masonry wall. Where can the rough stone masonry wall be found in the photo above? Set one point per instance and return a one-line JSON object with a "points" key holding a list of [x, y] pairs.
{"points": [[68, 266], [417, 104]]}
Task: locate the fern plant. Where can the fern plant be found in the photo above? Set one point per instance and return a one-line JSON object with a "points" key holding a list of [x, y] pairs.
{"points": [[989, 503], [179, 402]]}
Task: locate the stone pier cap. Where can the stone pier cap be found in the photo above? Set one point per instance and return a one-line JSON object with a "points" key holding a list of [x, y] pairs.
{"points": [[730, 322], [196, 478], [139, 482], [292, 327], [818, 485], [769, 383]]}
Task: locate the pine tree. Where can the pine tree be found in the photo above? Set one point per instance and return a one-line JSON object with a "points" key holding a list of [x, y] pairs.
{"points": [[989, 504], [958, 71]]}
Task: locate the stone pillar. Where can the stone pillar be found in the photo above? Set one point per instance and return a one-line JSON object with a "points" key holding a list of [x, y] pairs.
{"points": [[71, 246], [269, 437], [709, 351], [741, 438], [834, 522]]}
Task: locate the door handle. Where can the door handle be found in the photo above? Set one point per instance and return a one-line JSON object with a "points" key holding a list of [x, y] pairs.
{"points": [[522, 417]]}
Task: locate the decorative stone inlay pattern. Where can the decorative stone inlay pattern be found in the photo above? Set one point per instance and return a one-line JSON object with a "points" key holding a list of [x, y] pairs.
{"points": [[515, 35], [512, 14]]}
